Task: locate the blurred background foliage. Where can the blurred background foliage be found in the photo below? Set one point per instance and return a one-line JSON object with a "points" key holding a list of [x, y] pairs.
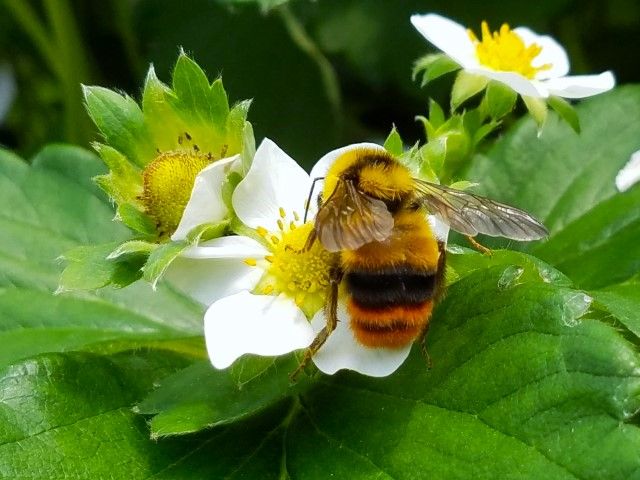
{"points": [[321, 73]]}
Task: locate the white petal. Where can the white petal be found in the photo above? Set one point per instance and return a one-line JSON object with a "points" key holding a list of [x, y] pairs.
{"points": [[258, 324], [447, 35], [580, 86], [320, 168], [552, 52], [439, 228], [216, 268], [517, 82], [205, 204], [342, 351], [234, 246], [629, 175], [274, 181]]}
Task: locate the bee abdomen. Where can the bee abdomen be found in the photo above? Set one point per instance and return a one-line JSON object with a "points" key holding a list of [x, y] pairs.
{"points": [[401, 286]]}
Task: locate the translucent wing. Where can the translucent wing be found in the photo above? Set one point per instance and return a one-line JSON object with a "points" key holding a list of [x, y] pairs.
{"points": [[349, 219], [472, 214]]}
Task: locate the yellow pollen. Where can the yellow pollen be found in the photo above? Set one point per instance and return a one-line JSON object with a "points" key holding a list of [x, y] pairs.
{"points": [[302, 275], [262, 231], [267, 289], [251, 262], [167, 184], [275, 240], [280, 225], [282, 212], [292, 225], [505, 51]]}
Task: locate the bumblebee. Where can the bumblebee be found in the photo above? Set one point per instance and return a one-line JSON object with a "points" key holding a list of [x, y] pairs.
{"points": [[374, 215]]}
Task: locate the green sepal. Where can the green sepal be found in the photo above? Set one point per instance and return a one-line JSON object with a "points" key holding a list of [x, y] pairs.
{"points": [[195, 96], [235, 126], [132, 248], [436, 114], [433, 66], [164, 124], [123, 183], [207, 231], [566, 112], [498, 100], [88, 268], [393, 143], [248, 147], [538, 109], [466, 86], [228, 187], [160, 259], [120, 120], [136, 220], [433, 158]]}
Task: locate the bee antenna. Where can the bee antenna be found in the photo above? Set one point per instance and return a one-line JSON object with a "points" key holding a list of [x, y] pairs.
{"points": [[306, 207]]}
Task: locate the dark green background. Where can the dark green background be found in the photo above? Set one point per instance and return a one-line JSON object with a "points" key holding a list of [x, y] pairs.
{"points": [[370, 45]]}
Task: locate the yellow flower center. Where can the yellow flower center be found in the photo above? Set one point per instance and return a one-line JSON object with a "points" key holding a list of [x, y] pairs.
{"points": [[505, 51], [304, 276], [167, 184]]}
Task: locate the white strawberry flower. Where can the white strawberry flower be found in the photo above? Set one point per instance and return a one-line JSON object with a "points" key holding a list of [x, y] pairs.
{"points": [[532, 65], [260, 288]]}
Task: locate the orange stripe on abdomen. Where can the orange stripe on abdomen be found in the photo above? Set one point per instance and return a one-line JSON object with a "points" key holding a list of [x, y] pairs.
{"points": [[392, 327]]}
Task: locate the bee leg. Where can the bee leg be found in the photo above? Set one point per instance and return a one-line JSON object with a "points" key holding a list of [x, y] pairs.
{"points": [[423, 347], [478, 246], [331, 314]]}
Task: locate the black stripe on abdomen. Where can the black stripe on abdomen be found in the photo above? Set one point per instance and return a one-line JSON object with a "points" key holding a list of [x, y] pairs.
{"points": [[403, 286]]}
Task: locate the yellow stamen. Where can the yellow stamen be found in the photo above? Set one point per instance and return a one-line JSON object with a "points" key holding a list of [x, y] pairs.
{"points": [[302, 275], [296, 217], [292, 225], [262, 231], [251, 262], [505, 51], [282, 212], [280, 225]]}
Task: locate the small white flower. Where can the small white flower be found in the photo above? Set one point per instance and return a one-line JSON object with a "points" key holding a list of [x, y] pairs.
{"points": [[261, 291], [629, 175], [532, 65]]}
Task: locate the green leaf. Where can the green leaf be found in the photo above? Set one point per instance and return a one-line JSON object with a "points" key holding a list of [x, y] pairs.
{"points": [[568, 182], [132, 248], [38, 322], [600, 248], [466, 86], [537, 109], [436, 114], [160, 259], [121, 122], [622, 301], [51, 214], [566, 112], [393, 143], [198, 397], [499, 100]]}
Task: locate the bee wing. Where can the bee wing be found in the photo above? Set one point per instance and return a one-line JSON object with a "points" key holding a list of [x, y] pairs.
{"points": [[472, 214], [349, 219]]}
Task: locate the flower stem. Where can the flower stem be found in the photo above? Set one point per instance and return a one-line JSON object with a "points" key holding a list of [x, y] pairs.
{"points": [[329, 77]]}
